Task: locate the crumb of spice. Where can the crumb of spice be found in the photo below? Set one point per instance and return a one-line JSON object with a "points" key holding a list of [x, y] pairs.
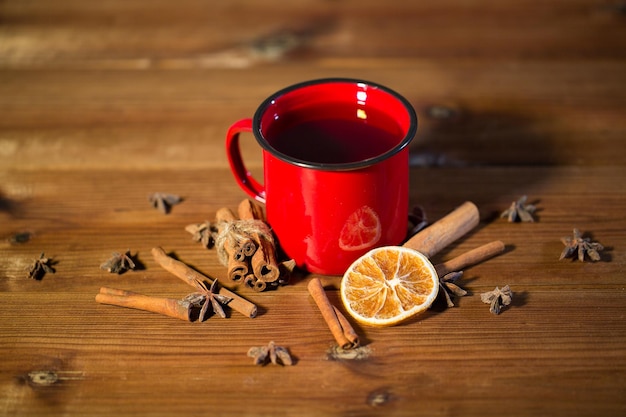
{"points": [[163, 201], [520, 211], [40, 267], [578, 247], [118, 263], [271, 353], [498, 298], [21, 237]]}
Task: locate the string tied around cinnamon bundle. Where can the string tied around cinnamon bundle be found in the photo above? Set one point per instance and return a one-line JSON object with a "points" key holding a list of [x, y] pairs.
{"points": [[237, 234], [245, 245]]}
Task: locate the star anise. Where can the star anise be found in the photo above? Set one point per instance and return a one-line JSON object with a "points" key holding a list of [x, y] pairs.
{"points": [[448, 286], [40, 267], [273, 353], [164, 202], [520, 211], [498, 298], [204, 233], [119, 263], [578, 246], [418, 220], [208, 298]]}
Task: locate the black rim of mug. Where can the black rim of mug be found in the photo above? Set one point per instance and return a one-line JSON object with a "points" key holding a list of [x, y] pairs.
{"points": [[256, 127]]}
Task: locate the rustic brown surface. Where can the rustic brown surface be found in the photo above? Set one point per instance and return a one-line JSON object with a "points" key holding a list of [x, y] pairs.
{"points": [[103, 103]]}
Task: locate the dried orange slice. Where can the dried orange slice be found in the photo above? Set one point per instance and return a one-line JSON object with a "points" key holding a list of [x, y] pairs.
{"points": [[388, 285], [361, 230]]}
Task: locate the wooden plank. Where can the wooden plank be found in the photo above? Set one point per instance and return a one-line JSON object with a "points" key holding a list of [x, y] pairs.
{"points": [[469, 114], [103, 103], [118, 34], [136, 366]]}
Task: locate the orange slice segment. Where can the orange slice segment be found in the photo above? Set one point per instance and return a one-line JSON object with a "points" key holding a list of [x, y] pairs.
{"points": [[388, 285], [361, 230]]}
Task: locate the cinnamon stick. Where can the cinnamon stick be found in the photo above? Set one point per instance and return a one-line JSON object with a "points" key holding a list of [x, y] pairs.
{"points": [[237, 266], [250, 210], [190, 276], [253, 282], [225, 215], [446, 230], [246, 249], [471, 257], [339, 326], [263, 262], [179, 309], [348, 330]]}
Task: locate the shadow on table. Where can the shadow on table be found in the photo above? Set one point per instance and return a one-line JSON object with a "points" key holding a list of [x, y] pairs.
{"points": [[455, 137]]}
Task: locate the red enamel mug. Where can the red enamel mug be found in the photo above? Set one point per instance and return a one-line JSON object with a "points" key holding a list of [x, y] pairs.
{"points": [[335, 169]]}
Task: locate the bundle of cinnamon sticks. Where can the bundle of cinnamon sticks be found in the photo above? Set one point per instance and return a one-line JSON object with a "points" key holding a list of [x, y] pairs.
{"points": [[246, 246]]}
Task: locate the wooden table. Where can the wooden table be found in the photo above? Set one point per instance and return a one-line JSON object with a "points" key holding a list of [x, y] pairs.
{"points": [[103, 103]]}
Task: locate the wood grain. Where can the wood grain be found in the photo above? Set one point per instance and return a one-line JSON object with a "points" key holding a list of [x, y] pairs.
{"points": [[102, 104]]}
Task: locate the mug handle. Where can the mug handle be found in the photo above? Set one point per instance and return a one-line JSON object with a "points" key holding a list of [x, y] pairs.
{"points": [[244, 178]]}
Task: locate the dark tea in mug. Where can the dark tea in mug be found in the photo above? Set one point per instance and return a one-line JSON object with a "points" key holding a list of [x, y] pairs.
{"points": [[333, 137]]}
